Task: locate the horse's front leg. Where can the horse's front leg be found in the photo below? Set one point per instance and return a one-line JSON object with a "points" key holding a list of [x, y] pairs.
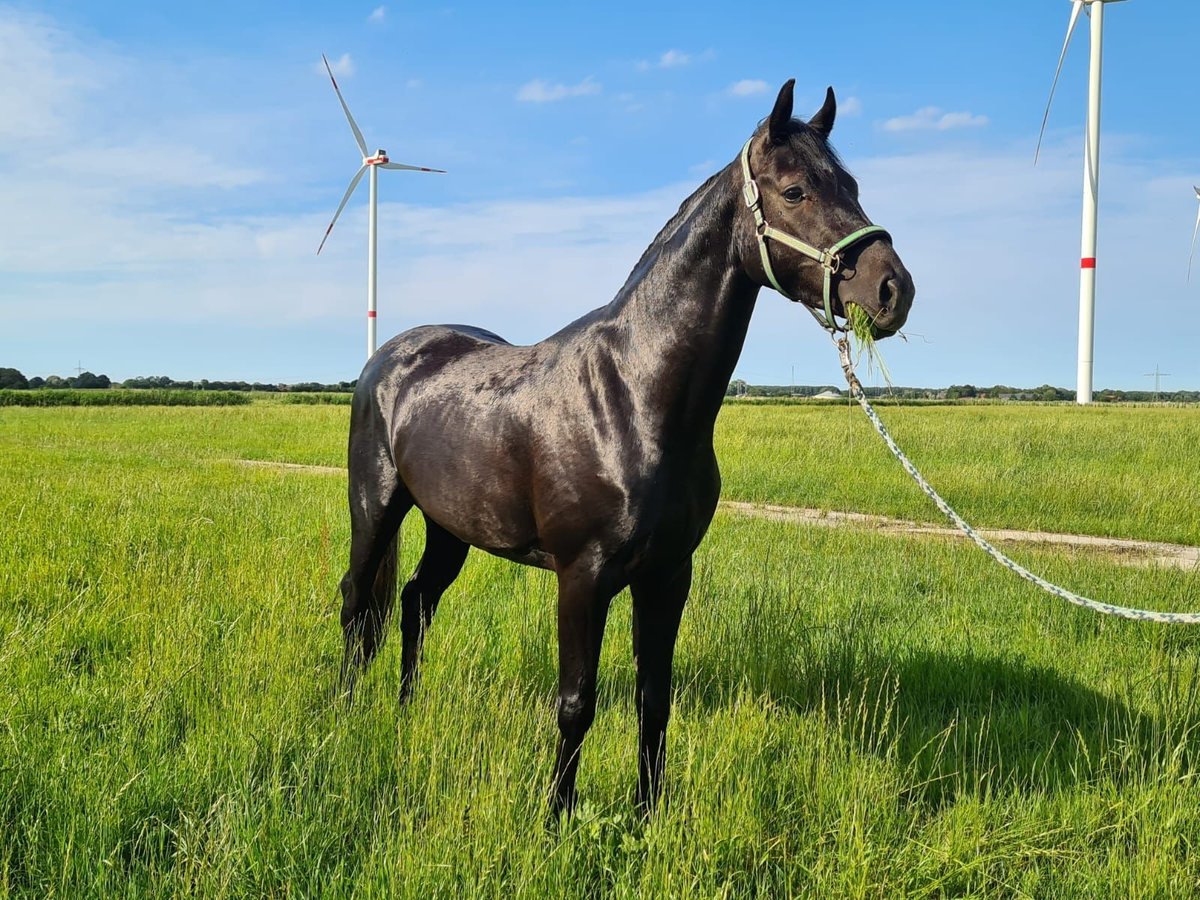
{"points": [[583, 601], [657, 608]]}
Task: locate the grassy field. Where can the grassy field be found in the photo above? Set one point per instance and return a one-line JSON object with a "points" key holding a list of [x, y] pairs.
{"points": [[1116, 472], [857, 714]]}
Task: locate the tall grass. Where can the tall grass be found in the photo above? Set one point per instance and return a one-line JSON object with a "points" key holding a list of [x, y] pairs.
{"points": [[318, 399], [1127, 472], [1117, 472], [856, 714]]}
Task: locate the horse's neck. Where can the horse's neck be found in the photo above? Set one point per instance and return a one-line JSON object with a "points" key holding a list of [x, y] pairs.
{"points": [[685, 311]]}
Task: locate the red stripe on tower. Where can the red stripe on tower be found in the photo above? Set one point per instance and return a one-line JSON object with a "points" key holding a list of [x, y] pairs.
{"points": [[1088, 262], [370, 313]]}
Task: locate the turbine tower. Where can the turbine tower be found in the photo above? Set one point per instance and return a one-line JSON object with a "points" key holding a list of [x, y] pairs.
{"points": [[1194, 232], [1091, 187], [373, 162]]}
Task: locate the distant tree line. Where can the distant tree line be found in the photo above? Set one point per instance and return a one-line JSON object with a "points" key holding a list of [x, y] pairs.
{"points": [[12, 379], [1042, 394]]}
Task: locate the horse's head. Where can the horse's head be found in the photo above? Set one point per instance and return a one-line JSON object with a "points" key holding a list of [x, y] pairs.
{"points": [[806, 235]]}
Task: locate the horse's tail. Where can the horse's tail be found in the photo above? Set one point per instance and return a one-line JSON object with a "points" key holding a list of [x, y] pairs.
{"points": [[378, 504]]}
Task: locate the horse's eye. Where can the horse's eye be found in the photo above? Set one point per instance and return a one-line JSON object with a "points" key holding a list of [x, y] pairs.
{"points": [[793, 195]]}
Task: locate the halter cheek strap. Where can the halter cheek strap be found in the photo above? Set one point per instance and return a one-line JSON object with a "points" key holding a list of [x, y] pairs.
{"points": [[830, 259]]}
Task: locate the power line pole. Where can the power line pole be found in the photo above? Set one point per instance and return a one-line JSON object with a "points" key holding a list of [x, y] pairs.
{"points": [[1157, 376]]}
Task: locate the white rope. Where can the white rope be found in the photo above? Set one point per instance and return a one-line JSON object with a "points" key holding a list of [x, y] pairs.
{"points": [[1141, 615]]}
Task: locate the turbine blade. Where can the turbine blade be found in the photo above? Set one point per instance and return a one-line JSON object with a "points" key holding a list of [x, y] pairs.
{"points": [[362, 145], [392, 165], [350, 190], [1195, 231], [1076, 7]]}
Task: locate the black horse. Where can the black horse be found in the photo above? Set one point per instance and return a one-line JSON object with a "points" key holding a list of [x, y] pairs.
{"points": [[591, 453]]}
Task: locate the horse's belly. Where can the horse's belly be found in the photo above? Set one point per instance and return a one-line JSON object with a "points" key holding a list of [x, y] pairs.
{"points": [[501, 525], [476, 501], [527, 557]]}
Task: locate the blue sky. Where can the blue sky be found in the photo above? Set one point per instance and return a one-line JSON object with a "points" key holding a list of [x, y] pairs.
{"points": [[169, 170]]}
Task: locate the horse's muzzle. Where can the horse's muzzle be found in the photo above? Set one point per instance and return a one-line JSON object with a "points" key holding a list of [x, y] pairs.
{"points": [[894, 299]]}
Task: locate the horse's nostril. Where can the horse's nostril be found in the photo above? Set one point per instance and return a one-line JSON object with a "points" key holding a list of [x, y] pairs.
{"points": [[889, 293]]}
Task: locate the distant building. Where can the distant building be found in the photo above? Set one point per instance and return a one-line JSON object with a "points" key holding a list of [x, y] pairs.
{"points": [[827, 395]]}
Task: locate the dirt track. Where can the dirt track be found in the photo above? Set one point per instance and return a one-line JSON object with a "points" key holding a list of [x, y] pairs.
{"points": [[1128, 552]]}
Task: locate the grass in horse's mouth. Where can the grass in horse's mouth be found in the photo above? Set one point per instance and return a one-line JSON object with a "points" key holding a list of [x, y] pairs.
{"points": [[862, 329]]}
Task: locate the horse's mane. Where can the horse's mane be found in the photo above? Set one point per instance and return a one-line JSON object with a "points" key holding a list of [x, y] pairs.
{"points": [[703, 197], [814, 151], [688, 208]]}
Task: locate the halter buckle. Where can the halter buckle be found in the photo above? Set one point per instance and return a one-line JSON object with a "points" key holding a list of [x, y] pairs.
{"points": [[750, 193]]}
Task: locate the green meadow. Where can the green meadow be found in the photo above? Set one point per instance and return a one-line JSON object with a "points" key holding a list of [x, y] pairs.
{"points": [[857, 714]]}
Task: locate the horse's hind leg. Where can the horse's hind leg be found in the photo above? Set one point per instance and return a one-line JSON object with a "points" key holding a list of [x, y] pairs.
{"points": [[440, 564], [378, 504]]}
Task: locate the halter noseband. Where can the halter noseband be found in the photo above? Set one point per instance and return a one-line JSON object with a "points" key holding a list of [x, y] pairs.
{"points": [[830, 259]]}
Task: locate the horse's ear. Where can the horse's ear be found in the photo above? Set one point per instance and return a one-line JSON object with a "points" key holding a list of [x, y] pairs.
{"points": [[822, 122], [779, 125]]}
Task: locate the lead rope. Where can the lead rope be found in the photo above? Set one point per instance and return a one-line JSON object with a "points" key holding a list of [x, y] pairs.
{"points": [[1141, 615]]}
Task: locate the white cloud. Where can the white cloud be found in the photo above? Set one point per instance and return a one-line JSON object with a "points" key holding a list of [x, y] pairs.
{"points": [[851, 106], [342, 66], [932, 118], [675, 59], [671, 59], [158, 220], [991, 241], [993, 245], [378, 14], [150, 161], [747, 87], [49, 76], [539, 91]]}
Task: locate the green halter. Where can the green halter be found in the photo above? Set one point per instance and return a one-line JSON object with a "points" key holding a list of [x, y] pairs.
{"points": [[830, 260]]}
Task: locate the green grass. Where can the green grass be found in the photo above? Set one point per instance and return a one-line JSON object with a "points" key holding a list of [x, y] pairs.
{"points": [[1117, 472], [856, 714], [1122, 472], [861, 331]]}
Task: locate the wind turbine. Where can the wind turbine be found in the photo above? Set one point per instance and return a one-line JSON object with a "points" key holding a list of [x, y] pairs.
{"points": [[1194, 231], [379, 160], [1091, 187]]}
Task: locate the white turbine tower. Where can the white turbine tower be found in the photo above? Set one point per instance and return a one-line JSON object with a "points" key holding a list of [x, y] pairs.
{"points": [[1091, 187], [374, 163], [1194, 232]]}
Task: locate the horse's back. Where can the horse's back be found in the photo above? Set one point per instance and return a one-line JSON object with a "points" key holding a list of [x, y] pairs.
{"points": [[430, 345], [416, 356]]}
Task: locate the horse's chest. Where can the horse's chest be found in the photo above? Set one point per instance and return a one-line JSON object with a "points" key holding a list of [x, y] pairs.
{"points": [[673, 518]]}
